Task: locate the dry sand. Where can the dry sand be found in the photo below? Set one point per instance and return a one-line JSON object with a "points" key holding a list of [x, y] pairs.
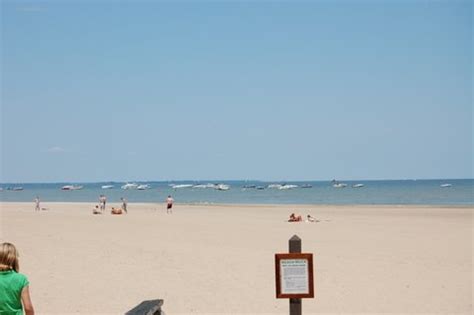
{"points": [[219, 259]]}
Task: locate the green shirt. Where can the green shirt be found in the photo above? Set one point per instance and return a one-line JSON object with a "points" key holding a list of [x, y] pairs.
{"points": [[11, 285]]}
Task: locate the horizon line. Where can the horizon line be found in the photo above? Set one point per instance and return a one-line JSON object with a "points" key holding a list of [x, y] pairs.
{"points": [[232, 180]]}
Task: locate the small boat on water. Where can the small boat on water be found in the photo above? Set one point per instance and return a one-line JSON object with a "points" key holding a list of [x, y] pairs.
{"points": [[143, 187], [182, 186], [71, 187], [260, 187], [275, 186], [15, 188], [107, 186], [446, 185], [202, 186], [339, 185], [357, 185], [222, 187], [130, 186], [249, 186], [286, 187]]}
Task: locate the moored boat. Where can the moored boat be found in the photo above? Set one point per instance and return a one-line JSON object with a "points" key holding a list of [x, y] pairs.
{"points": [[71, 187], [143, 187], [222, 187], [287, 186], [130, 186], [178, 186], [274, 186], [203, 186]]}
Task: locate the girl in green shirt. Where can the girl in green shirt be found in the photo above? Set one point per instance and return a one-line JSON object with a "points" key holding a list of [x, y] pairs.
{"points": [[14, 292]]}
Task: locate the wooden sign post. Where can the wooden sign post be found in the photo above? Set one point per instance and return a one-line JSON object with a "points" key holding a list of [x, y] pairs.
{"points": [[294, 275]]}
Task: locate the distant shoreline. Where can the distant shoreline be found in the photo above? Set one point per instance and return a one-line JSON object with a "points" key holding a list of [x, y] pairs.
{"points": [[245, 205], [228, 181]]}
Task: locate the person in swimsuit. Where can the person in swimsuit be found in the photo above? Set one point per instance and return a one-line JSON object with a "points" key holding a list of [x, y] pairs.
{"points": [[116, 211], [169, 204], [295, 218], [124, 204], [37, 204]]}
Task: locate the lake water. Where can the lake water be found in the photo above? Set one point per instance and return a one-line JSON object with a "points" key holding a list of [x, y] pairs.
{"points": [[384, 192]]}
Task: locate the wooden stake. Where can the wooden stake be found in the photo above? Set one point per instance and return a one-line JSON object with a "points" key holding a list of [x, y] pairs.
{"points": [[294, 246]]}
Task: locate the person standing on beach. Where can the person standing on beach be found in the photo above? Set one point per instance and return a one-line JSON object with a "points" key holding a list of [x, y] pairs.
{"points": [[124, 204], [14, 286], [102, 202], [169, 204], [37, 204]]}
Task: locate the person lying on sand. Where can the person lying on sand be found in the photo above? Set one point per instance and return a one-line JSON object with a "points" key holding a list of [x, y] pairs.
{"points": [[96, 210], [310, 218], [295, 218], [116, 211]]}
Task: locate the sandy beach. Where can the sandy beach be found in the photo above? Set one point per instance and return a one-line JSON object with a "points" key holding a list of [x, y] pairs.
{"points": [[219, 259]]}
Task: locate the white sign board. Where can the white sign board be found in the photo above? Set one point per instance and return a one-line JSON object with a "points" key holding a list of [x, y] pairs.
{"points": [[294, 276]]}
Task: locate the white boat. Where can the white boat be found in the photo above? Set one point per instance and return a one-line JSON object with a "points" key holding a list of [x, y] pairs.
{"points": [[339, 185], [204, 186], [445, 185], [286, 187], [17, 188], [130, 186], [277, 186], [222, 187], [107, 186], [143, 187], [182, 186], [357, 185], [71, 187]]}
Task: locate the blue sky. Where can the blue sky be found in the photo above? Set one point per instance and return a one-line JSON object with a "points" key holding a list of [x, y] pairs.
{"points": [[109, 90]]}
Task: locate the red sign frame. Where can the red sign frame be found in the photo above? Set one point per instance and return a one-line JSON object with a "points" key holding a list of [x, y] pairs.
{"points": [[290, 256]]}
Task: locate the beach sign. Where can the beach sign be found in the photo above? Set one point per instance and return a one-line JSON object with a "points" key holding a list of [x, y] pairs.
{"points": [[294, 275]]}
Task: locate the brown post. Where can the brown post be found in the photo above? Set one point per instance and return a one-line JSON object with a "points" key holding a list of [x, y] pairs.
{"points": [[294, 246]]}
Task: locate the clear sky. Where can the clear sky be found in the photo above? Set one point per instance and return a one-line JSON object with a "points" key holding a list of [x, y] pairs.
{"points": [[316, 90]]}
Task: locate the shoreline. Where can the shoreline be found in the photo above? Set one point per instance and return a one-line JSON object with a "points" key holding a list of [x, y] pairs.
{"points": [[257, 205]]}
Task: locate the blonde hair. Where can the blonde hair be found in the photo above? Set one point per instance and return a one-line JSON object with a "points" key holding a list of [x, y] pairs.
{"points": [[9, 257]]}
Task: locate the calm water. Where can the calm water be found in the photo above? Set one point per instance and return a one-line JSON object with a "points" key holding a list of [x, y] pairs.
{"points": [[390, 192]]}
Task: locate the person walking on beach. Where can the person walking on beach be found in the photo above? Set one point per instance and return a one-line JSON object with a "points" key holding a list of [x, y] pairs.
{"points": [[37, 204], [14, 286], [102, 202], [169, 204], [124, 204]]}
